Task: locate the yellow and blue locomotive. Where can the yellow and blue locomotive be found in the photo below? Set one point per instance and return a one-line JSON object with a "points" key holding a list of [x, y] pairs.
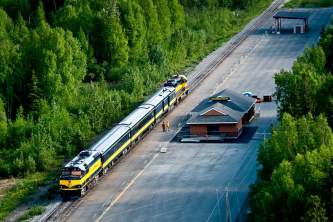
{"points": [[83, 171]]}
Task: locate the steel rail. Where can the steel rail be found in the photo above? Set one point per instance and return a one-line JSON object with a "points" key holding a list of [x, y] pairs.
{"points": [[234, 43]]}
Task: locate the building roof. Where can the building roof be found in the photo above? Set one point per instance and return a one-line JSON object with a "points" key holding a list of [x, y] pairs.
{"points": [[292, 14], [231, 105]]}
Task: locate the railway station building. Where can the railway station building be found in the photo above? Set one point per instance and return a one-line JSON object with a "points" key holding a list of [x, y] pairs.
{"points": [[301, 18], [222, 115]]}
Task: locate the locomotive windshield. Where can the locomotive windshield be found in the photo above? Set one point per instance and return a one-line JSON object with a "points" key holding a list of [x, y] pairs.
{"points": [[71, 173], [171, 82]]}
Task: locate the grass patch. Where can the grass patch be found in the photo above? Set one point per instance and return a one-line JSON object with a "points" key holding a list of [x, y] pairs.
{"points": [[308, 3], [33, 211], [20, 192]]}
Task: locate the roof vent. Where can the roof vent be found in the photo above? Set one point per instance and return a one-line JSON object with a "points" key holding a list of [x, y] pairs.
{"points": [[220, 98], [84, 153]]}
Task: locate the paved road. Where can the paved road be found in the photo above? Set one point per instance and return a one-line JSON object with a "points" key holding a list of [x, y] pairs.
{"points": [[200, 182]]}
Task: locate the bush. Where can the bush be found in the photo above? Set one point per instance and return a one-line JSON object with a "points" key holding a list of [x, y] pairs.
{"points": [[33, 211]]}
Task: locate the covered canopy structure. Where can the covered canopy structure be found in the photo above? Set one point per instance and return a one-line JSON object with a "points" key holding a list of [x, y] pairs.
{"points": [[291, 14]]}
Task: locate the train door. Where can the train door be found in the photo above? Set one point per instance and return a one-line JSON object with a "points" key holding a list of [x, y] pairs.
{"points": [[166, 104], [172, 98]]}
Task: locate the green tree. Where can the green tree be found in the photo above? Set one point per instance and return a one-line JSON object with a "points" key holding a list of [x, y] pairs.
{"points": [[325, 99], [281, 146], [134, 24], [153, 34], [40, 14], [316, 212], [296, 91], [177, 15], [57, 60], [314, 57], [164, 17], [19, 165], [116, 43], [30, 165], [3, 125], [326, 42], [19, 130]]}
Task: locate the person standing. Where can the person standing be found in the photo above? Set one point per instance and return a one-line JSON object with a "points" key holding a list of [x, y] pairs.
{"points": [[163, 126], [167, 125]]}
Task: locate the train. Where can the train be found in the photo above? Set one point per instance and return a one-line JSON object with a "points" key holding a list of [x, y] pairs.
{"points": [[82, 173]]}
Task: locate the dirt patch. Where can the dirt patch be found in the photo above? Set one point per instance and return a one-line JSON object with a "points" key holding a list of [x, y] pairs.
{"points": [[42, 197], [5, 185]]}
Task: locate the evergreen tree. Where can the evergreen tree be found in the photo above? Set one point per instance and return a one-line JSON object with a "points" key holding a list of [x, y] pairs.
{"points": [[35, 94], [40, 14], [177, 15], [19, 165], [154, 35], [316, 212], [3, 125], [164, 17], [134, 23], [116, 43], [30, 165]]}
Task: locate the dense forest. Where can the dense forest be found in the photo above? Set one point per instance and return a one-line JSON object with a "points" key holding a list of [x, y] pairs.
{"points": [[296, 177], [71, 69], [308, 3]]}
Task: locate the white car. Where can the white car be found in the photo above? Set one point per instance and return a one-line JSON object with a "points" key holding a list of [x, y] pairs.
{"points": [[247, 93]]}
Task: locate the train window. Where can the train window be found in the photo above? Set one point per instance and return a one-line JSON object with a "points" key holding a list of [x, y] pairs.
{"points": [[143, 122], [84, 153], [66, 172], [107, 153], [172, 96], [165, 101], [76, 173], [120, 142], [158, 108]]}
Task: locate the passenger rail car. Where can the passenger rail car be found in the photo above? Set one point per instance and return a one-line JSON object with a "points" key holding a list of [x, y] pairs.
{"points": [[83, 171]]}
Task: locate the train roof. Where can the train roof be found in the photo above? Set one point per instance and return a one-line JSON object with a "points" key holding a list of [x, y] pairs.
{"points": [[135, 116], [109, 139], [159, 96], [83, 159]]}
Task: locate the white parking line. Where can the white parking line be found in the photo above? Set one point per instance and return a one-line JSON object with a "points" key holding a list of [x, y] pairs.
{"points": [[126, 188]]}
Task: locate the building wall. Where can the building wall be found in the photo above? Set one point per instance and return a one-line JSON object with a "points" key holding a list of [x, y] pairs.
{"points": [[249, 115], [228, 128], [199, 130], [231, 130], [213, 113]]}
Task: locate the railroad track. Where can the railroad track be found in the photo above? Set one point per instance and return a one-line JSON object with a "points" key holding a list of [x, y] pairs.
{"points": [[64, 209], [232, 44]]}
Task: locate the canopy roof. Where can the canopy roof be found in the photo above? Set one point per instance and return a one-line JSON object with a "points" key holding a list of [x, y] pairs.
{"points": [[291, 14]]}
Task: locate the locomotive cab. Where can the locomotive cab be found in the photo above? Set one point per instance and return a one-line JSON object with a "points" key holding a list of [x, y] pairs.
{"points": [[180, 83], [176, 80], [71, 173], [78, 173], [70, 180]]}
